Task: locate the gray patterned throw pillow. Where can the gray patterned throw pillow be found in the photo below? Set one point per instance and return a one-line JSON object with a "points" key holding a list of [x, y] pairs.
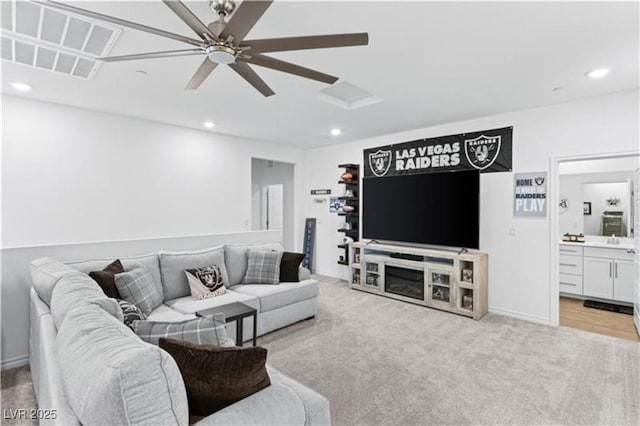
{"points": [[130, 313], [263, 267], [209, 330], [137, 287]]}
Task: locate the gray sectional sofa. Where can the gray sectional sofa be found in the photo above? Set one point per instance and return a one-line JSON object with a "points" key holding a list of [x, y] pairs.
{"points": [[92, 369]]}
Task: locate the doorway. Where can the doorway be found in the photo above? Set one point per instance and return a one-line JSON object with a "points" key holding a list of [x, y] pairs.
{"points": [[594, 217], [272, 193]]}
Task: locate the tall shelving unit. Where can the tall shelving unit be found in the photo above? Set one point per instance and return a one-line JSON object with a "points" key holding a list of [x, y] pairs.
{"points": [[351, 219]]}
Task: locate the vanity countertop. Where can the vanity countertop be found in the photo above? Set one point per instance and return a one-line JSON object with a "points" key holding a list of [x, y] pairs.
{"points": [[622, 246]]}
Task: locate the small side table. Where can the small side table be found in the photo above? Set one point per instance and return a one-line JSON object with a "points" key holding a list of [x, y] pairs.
{"points": [[236, 311]]}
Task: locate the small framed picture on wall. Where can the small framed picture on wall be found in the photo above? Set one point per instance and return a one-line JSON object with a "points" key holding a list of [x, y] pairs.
{"points": [[586, 207]]}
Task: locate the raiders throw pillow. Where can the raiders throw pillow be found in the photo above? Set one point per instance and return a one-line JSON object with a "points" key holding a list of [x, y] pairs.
{"points": [[205, 282], [130, 313]]}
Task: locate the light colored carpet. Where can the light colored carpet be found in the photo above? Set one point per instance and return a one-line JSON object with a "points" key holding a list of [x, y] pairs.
{"points": [[381, 361], [17, 393]]}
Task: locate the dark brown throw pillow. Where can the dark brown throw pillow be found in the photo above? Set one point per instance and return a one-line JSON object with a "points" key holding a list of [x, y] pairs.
{"points": [[106, 278], [289, 266], [215, 376]]}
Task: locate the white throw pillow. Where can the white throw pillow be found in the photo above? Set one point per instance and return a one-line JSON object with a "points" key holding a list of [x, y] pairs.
{"points": [[205, 282]]}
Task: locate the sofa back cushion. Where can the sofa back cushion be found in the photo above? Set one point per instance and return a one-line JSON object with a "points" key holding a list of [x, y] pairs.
{"points": [[236, 259], [130, 382], [173, 265], [76, 289], [45, 274], [149, 261]]}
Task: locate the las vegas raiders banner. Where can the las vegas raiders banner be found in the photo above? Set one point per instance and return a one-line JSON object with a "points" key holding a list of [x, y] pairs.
{"points": [[486, 151]]}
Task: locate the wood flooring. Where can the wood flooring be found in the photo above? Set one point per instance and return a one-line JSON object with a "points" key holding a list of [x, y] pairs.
{"points": [[573, 314]]}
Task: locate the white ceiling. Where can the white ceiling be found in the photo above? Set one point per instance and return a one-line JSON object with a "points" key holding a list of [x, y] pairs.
{"points": [[429, 62]]}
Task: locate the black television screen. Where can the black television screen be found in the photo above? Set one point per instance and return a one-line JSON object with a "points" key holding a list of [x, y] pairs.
{"points": [[433, 208]]}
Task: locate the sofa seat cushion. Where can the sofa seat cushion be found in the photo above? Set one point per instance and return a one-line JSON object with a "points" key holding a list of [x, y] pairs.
{"points": [[189, 305], [285, 402], [149, 261], [173, 265], [275, 405], [110, 375], [167, 314], [276, 296]]}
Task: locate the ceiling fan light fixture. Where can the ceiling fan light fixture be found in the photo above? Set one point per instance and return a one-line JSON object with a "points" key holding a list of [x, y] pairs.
{"points": [[221, 54]]}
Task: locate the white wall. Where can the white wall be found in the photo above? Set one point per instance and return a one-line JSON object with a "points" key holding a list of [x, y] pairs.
{"points": [[604, 165], [73, 175], [518, 265], [571, 186], [264, 173]]}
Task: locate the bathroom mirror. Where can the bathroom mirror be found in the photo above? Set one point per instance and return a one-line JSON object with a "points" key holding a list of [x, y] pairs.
{"points": [[607, 208]]}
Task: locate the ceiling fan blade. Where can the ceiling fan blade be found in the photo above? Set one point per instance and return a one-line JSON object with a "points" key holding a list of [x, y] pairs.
{"points": [[118, 21], [189, 18], [307, 42], [254, 79], [244, 18], [153, 55], [277, 64], [201, 74]]}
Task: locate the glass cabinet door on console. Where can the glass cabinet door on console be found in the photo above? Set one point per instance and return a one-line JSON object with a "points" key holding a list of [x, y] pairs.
{"points": [[440, 285], [373, 275]]}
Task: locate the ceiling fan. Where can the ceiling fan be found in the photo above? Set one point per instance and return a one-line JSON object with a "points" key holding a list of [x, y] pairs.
{"points": [[223, 42]]}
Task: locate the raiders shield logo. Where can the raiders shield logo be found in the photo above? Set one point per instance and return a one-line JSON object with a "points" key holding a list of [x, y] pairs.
{"points": [[482, 151], [539, 180], [379, 162]]}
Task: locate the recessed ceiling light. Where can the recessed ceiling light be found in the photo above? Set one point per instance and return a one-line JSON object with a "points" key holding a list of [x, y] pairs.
{"points": [[336, 132], [21, 87], [598, 73], [209, 124]]}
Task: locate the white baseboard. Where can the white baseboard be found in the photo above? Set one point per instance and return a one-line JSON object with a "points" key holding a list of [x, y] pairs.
{"points": [[18, 361], [518, 315]]}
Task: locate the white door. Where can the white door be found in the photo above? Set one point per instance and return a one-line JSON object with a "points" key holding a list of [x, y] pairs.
{"points": [[272, 216], [598, 278], [623, 280]]}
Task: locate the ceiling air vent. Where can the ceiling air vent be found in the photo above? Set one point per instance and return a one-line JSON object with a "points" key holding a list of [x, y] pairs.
{"points": [[52, 40], [347, 96]]}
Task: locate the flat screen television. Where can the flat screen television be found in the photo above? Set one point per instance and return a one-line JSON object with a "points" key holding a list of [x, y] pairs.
{"points": [[440, 209]]}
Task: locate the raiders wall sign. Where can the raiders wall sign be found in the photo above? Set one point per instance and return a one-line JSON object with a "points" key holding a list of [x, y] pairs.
{"points": [[530, 194], [486, 151]]}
